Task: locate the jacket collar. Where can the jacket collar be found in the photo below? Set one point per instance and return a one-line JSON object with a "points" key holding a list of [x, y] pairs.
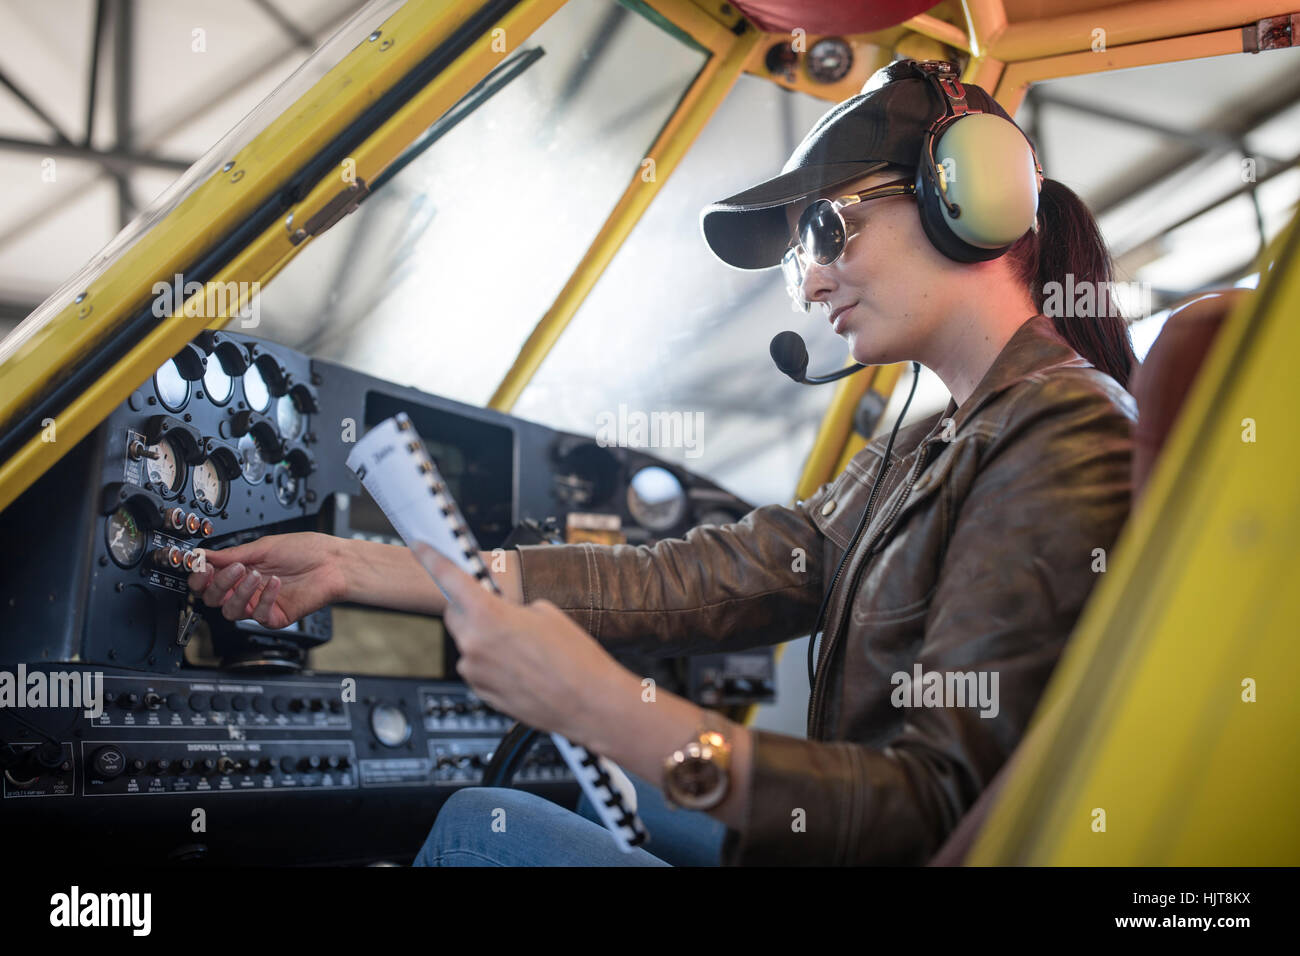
{"points": [[1034, 348]]}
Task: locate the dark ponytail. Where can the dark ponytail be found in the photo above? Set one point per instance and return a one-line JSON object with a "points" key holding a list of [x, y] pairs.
{"points": [[1068, 249]]}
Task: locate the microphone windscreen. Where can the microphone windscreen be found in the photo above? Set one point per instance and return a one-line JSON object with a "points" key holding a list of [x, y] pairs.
{"points": [[790, 354]]}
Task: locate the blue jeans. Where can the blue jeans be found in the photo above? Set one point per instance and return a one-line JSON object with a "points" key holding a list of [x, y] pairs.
{"points": [[495, 826]]}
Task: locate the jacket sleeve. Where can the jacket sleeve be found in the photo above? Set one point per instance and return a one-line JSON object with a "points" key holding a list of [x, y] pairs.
{"points": [[754, 582], [1049, 489]]}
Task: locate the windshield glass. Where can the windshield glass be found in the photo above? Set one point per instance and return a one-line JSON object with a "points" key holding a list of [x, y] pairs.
{"points": [[671, 329], [439, 277]]}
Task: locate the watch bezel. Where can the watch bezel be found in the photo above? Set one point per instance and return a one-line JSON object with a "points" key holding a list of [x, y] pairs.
{"points": [[697, 754]]}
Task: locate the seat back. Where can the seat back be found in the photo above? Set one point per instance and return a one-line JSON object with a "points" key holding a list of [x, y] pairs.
{"points": [[1161, 383]]}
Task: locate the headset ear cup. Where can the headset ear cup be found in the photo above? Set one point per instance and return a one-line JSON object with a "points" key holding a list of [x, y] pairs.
{"points": [[935, 219], [997, 188]]}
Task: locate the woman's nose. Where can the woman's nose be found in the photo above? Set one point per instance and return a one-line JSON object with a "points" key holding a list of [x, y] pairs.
{"points": [[818, 282]]}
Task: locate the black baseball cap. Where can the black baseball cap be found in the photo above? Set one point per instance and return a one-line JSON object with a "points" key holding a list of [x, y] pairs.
{"points": [[881, 126]]}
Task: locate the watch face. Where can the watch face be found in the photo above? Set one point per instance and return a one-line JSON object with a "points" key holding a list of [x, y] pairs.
{"points": [[697, 777]]}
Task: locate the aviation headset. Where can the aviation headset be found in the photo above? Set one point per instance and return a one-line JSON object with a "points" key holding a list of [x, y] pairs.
{"points": [[977, 176]]}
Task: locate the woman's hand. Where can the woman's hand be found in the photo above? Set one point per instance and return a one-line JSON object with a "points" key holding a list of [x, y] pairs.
{"points": [[274, 580], [530, 661]]}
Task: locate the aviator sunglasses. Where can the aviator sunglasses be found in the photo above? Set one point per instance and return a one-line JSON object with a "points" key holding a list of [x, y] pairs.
{"points": [[822, 234]]}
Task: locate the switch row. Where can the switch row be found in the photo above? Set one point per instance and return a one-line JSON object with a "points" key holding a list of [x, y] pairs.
{"points": [[109, 762], [128, 700]]}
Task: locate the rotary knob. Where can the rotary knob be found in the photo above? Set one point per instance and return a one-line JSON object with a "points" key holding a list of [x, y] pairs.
{"points": [[263, 431], [301, 462]]}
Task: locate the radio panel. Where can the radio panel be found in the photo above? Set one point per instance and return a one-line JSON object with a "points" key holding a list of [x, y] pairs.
{"points": [[385, 751]]}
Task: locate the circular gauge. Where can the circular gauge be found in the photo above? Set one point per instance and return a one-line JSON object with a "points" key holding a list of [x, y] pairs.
{"points": [[217, 383], [781, 60], [830, 60], [167, 470], [288, 417], [126, 540], [656, 498], [286, 486], [255, 390], [250, 461], [390, 726], [586, 475], [172, 388], [210, 489]]}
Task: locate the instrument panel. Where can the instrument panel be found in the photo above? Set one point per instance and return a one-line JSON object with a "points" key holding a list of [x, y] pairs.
{"points": [[232, 439]]}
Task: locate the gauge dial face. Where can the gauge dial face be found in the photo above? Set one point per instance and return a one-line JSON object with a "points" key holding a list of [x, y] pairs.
{"points": [[250, 461], [210, 489], [286, 486], [167, 469], [217, 383], [830, 60], [656, 499], [390, 725], [173, 390], [126, 540], [255, 390], [289, 419]]}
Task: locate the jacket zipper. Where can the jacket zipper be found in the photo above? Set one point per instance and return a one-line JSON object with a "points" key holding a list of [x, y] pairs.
{"points": [[832, 638], [854, 545]]}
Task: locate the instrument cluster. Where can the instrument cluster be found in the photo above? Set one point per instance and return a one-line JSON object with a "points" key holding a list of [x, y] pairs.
{"points": [[218, 438], [646, 498]]}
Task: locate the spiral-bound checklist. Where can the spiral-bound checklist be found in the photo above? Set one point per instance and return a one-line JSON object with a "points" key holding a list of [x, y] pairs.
{"points": [[396, 470]]}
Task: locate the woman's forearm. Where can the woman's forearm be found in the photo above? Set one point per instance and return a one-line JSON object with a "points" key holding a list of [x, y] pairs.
{"points": [[388, 575]]}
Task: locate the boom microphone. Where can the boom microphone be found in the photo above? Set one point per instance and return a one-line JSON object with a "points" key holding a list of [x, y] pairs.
{"points": [[791, 356]]}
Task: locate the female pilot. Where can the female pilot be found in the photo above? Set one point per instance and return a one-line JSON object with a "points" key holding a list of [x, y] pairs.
{"points": [[943, 569]]}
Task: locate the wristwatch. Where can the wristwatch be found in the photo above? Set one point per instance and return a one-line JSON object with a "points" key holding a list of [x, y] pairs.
{"points": [[696, 777]]}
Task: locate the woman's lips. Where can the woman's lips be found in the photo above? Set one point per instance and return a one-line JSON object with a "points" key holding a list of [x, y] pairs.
{"points": [[837, 318]]}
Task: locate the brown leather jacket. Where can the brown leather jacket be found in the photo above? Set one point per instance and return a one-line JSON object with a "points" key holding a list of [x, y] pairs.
{"points": [[980, 552]]}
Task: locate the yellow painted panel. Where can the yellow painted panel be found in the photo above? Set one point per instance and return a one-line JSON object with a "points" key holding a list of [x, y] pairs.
{"points": [[1144, 718]]}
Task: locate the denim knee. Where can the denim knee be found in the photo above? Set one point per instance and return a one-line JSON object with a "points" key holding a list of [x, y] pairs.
{"points": [[496, 826]]}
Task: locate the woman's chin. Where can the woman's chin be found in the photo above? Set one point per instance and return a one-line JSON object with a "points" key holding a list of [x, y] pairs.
{"points": [[864, 355], [857, 347]]}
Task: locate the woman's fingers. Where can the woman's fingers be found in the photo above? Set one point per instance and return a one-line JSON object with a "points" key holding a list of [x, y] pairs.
{"points": [[199, 580], [220, 582], [215, 585], [266, 603], [236, 606]]}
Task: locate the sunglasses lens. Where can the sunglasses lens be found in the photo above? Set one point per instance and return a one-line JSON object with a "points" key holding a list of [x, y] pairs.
{"points": [[821, 232]]}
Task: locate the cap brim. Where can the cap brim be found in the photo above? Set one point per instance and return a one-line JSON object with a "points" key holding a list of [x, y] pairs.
{"points": [[750, 231]]}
